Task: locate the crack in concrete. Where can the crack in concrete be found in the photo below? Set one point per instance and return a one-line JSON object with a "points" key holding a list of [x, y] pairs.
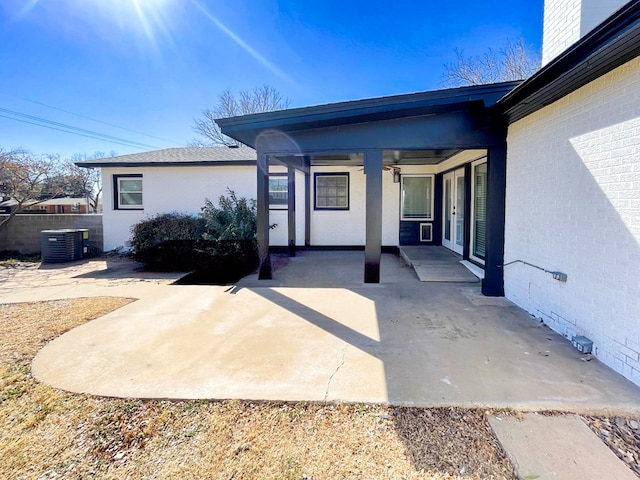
{"points": [[326, 393]]}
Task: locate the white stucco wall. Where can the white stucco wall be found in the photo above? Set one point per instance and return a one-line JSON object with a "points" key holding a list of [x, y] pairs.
{"points": [[566, 21], [181, 189], [573, 205], [279, 236], [184, 189], [347, 228]]}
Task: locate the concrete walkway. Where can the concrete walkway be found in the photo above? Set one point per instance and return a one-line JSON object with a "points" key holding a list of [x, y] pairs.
{"points": [[557, 447], [317, 333]]}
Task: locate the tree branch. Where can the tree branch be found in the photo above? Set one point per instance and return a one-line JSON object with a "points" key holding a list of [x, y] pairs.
{"points": [[260, 99]]}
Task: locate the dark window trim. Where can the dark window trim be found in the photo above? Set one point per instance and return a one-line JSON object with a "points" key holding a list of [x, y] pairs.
{"points": [[315, 190], [116, 190]]}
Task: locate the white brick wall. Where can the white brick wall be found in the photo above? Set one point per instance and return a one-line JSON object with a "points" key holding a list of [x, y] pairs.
{"points": [[573, 205], [566, 21]]}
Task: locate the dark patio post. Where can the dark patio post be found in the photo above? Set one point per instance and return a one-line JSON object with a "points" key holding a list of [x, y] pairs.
{"points": [[262, 220], [373, 246], [291, 209], [493, 283], [307, 208]]}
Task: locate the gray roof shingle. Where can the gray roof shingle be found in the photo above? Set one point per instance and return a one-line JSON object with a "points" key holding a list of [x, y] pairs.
{"points": [[178, 156]]}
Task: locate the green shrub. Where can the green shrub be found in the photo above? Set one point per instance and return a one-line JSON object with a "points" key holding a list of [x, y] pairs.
{"points": [[220, 244], [230, 233], [233, 220], [167, 241]]}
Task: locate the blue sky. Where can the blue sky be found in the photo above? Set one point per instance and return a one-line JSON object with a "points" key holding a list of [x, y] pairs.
{"points": [[146, 68]]}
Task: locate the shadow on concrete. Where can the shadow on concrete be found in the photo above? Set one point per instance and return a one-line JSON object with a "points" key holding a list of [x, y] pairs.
{"points": [[117, 268], [440, 344], [316, 332]]}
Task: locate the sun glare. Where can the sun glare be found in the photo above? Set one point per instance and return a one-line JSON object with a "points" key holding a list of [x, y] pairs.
{"points": [[150, 15], [151, 23], [150, 18]]}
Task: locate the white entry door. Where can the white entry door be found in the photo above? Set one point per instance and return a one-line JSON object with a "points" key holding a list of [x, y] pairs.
{"points": [[453, 210]]}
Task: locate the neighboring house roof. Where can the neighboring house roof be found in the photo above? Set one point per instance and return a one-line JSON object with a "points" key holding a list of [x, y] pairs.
{"points": [[179, 157], [9, 203], [52, 201], [246, 127], [64, 201], [608, 46]]}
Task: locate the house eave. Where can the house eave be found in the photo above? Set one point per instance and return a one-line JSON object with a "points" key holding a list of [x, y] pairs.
{"points": [[202, 163], [611, 44], [245, 128]]}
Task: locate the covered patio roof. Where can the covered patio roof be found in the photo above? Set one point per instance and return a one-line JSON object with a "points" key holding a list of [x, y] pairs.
{"points": [[423, 128], [248, 128]]}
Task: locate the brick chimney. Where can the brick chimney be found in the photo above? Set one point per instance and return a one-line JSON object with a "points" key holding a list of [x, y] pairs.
{"points": [[567, 21]]}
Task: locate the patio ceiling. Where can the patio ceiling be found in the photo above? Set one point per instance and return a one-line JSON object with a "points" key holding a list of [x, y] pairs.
{"points": [[389, 158]]}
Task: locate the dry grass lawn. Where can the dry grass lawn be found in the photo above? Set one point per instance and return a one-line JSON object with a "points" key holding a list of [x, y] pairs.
{"points": [[46, 433]]}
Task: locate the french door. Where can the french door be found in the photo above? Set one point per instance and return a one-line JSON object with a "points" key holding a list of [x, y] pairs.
{"points": [[453, 213]]}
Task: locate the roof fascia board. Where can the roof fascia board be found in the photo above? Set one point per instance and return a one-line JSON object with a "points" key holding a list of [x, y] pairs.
{"points": [[369, 109], [200, 163]]}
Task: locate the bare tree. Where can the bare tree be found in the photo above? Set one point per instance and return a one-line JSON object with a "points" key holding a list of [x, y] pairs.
{"points": [[515, 61], [89, 178], [27, 178], [89, 181], [260, 99]]}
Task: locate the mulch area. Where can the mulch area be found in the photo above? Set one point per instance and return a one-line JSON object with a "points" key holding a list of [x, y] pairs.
{"points": [[622, 436]]}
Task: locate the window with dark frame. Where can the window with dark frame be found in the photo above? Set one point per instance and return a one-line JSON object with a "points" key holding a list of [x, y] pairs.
{"points": [[417, 197], [479, 225], [127, 191], [331, 191], [278, 191]]}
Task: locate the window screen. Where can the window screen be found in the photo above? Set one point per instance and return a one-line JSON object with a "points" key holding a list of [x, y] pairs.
{"points": [[479, 210]]}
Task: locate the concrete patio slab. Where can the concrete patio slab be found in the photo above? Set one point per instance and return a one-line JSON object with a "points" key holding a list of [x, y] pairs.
{"points": [[316, 332], [553, 447]]}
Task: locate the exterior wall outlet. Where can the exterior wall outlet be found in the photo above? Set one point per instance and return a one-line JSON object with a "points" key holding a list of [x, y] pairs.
{"points": [[583, 344], [561, 277]]}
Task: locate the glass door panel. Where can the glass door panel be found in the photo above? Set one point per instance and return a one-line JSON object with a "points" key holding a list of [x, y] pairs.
{"points": [[447, 210], [453, 211], [459, 210]]}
